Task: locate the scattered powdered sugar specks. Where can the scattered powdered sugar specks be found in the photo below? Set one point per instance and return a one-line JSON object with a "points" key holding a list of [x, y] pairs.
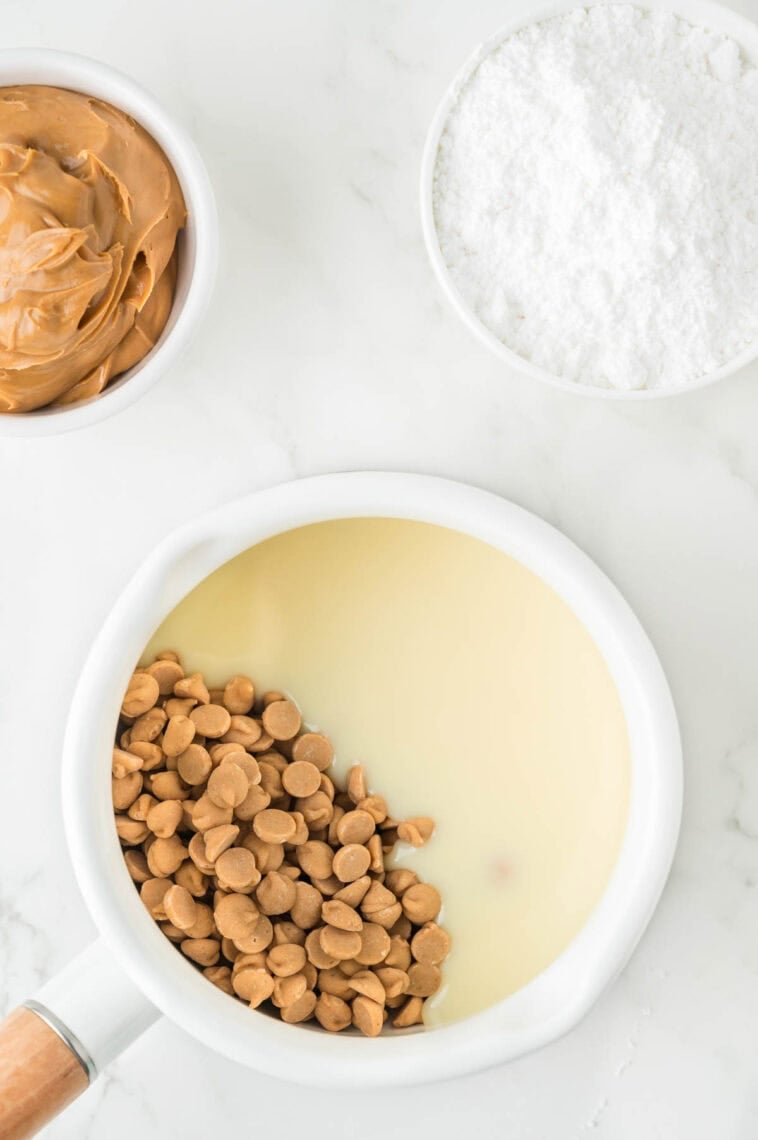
{"points": [[596, 197]]}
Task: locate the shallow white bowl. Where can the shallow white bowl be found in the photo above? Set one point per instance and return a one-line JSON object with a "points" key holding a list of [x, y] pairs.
{"points": [[197, 243], [540, 1012], [700, 12]]}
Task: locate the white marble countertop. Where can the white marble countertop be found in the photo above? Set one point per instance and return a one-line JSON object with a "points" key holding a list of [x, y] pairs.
{"points": [[328, 347]]}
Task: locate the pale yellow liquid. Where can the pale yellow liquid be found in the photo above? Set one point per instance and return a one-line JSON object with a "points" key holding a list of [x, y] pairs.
{"points": [[470, 692]]}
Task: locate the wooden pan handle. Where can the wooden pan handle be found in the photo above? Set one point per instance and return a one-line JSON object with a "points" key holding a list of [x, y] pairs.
{"points": [[39, 1075]]}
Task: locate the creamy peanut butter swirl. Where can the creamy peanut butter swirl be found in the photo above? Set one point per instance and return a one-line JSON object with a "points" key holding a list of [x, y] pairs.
{"points": [[89, 213]]}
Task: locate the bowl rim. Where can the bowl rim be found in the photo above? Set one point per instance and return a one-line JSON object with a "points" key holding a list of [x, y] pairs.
{"points": [[708, 13], [546, 1007], [199, 239]]}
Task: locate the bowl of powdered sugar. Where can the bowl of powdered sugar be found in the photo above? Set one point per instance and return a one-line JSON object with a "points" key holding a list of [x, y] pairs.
{"points": [[590, 196]]}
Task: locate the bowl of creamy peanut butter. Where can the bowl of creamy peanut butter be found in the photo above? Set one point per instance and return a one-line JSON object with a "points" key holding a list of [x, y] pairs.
{"points": [[108, 240]]}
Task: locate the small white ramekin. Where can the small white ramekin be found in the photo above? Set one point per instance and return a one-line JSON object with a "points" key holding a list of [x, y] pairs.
{"points": [[197, 243], [699, 12], [108, 995]]}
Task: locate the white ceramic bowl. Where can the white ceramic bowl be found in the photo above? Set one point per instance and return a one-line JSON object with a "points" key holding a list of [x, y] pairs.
{"points": [[197, 243], [540, 1012], [700, 12]]}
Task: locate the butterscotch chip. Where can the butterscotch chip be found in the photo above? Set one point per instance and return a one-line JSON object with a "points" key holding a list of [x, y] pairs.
{"points": [[271, 781], [339, 914], [355, 827], [399, 879], [394, 981], [313, 748], [354, 893], [193, 686], [179, 706], [274, 758], [281, 720], [289, 990], [236, 869], [332, 1013], [286, 931], [152, 893], [300, 1010], [367, 983], [204, 925], [351, 862], [416, 831], [276, 894], [192, 879], [376, 806], [286, 959], [301, 829], [227, 785], [178, 735], [339, 944], [380, 906], [211, 720], [124, 763], [239, 695], [270, 696], [141, 806], [242, 730], [230, 951], [399, 954], [410, 1014], [131, 831], [206, 814], [350, 968], [204, 951], [168, 655], [166, 673], [172, 932], [327, 787], [315, 858], [262, 744], [150, 754], [305, 912], [331, 834], [421, 903], [198, 854], [125, 791], [316, 953], [221, 976], [168, 786], [375, 850], [180, 907], [141, 694], [147, 727], [164, 818], [368, 1015], [328, 886], [261, 937], [356, 784], [254, 802], [301, 778], [424, 979], [333, 981], [236, 917], [402, 928], [166, 856], [431, 944], [317, 809], [274, 826], [268, 856], [220, 839], [255, 961], [136, 865], [243, 760], [375, 945], [253, 985]]}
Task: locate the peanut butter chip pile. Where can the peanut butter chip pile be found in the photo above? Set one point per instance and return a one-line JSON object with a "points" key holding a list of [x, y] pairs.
{"points": [[267, 875]]}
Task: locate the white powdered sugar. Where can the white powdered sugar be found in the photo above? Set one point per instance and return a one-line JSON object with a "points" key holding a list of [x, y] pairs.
{"points": [[596, 197]]}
